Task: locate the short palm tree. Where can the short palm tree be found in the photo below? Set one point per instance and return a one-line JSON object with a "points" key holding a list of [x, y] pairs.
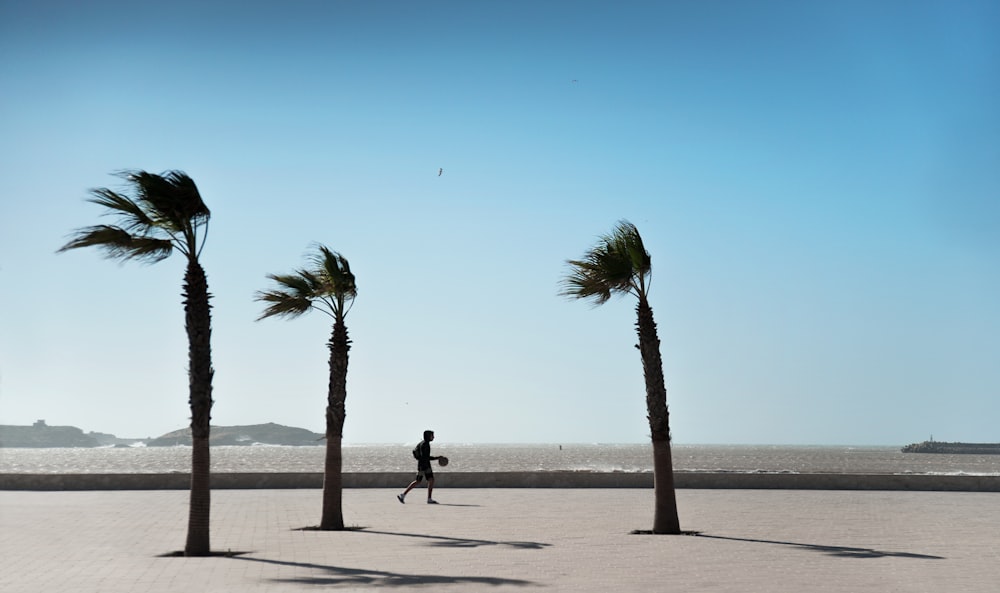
{"points": [[619, 264], [327, 285], [165, 214]]}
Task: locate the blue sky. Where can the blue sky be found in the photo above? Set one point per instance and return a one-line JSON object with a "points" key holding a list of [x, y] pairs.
{"points": [[816, 183]]}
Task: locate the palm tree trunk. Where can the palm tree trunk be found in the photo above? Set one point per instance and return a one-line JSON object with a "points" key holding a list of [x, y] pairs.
{"points": [[198, 543], [665, 514], [340, 344], [198, 322], [333, 486]]}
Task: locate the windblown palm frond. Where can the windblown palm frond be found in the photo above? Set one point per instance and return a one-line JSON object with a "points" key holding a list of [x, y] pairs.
{"points": [[336, 273], [173, 197], [117, 243], [293, 298], [618, 264], [328, 286], [166, 213], [131, 216]]}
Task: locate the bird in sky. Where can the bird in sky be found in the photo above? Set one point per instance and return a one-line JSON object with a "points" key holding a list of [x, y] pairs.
{"points": [[440, 171]]}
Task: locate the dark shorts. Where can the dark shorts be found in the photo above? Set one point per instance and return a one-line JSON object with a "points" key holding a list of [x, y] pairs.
{"points": [[424, 471]]}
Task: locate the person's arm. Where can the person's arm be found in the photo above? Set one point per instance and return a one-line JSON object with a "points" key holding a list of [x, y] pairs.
{"points": [[425, 453]]}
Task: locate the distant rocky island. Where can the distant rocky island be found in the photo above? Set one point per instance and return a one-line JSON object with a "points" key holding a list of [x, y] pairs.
{"points": [[41, 435], [254, 434], [953, 448]]}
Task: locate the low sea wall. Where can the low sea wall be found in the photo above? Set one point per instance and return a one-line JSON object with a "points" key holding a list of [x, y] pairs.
{"points": [[695, 480]]}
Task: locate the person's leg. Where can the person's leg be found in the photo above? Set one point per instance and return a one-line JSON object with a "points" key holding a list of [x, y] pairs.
{"points": [[412, 485], [430, 488]]}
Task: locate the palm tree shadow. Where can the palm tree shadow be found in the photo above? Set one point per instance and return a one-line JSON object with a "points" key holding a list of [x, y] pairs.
{"points": [[357, 577], [459, 542], [841, 551]]}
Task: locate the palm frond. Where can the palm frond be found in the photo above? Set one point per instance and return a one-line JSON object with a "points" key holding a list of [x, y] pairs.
{"points": [[301, 284], [173, 196], [131, 216], [627, 240], [334, 272], [328, 285], [165, 213], [617, 264], [583, 282], [294, 296], [282, 304], [117, 243]]}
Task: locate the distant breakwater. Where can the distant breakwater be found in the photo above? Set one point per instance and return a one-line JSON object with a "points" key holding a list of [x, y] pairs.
{"points": [[953, 448], [541, 479]]}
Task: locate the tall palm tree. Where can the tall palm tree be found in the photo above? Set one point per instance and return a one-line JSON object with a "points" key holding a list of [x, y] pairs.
{"points": [[166, 213], [619, 264], [327, 286]]}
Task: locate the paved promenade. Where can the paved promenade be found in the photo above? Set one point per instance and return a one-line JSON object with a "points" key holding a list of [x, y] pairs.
{"points": [[576, 540]]}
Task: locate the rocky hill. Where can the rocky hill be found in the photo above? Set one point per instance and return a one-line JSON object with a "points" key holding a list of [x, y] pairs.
{"points": [[261, 434], [42, 435]]}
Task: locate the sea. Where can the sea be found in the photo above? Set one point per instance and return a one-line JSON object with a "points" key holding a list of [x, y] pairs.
{"points": [[581, 457]]}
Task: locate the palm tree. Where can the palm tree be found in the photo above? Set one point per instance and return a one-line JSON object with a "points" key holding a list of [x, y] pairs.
{"points": [[619, 264], [327, 286], [167, 214]]}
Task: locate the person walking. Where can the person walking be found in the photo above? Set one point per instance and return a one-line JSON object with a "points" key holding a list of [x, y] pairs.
{"points": [[422, 452]]}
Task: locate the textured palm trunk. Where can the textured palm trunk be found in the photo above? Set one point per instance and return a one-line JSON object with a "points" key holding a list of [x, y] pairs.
{"points": [[198, 321], [665, 514], [333, 515]]}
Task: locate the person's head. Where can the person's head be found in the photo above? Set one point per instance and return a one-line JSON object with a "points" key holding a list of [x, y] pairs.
{"points": [[428, 435]]}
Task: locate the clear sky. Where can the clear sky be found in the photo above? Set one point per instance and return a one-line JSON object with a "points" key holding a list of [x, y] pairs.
{"points": [[818, 184]]}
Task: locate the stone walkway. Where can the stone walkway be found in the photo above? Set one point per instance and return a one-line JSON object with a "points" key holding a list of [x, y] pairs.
{"points": [[505, 540]]}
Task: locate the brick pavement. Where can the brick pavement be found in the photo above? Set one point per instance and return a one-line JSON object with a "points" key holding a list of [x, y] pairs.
{"points": [[506, 540]]}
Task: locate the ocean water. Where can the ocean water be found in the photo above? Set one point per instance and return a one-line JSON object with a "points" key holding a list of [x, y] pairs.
{"points": [[505, 457]]}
